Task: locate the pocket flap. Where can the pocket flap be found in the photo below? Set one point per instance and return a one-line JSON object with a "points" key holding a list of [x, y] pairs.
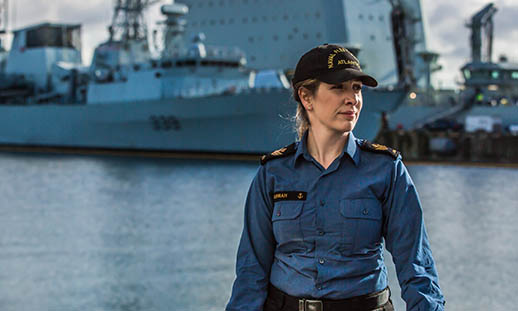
{"points": [[361, 208], [286, 210]]}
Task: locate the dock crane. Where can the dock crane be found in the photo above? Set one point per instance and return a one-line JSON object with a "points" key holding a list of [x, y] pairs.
{"points": [[482, 26], [413, 59]]}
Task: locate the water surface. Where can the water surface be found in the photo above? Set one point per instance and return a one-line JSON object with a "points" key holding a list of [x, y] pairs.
{"points": [[110, 233]]}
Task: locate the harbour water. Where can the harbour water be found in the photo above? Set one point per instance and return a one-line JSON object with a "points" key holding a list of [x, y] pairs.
{"points": [[114, 233]]}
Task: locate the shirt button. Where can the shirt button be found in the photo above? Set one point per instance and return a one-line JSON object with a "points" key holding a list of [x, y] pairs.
{"points": [[321, 261], [319, 287], [322, 203], [320, 232], [365, 212]]}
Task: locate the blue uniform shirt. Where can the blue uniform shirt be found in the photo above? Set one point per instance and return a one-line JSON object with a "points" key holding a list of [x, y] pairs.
{"points": [[317, 233]]}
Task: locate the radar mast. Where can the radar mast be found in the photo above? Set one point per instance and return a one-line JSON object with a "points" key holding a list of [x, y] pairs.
{"points": [[128, 20]]}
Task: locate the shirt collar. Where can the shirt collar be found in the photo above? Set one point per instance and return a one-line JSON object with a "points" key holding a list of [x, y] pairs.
{"points": [[301, 148], [350, 148]]}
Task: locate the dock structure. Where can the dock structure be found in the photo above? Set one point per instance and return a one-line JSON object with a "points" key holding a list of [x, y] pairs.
{"points": [[450, 146]]}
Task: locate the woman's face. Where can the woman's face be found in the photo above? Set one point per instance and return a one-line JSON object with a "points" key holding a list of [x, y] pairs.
{"points": [[335, 107]]}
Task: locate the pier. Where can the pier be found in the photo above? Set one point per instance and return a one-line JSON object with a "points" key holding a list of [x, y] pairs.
{"points": [[450, 146]]}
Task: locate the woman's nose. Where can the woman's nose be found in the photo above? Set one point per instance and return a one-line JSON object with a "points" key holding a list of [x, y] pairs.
{"points": [[350, 100]]}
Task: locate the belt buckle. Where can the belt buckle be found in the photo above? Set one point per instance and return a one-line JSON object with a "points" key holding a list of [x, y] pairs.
{"points": [[310, 305]]}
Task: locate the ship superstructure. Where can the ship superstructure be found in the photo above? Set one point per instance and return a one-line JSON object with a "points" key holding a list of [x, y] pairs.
{"points": [[488, 94], [387, 36], [490, 88]]}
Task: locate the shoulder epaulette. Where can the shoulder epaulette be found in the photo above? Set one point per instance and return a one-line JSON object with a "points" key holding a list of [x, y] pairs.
{"points": [[290, 149], [367, 145]]}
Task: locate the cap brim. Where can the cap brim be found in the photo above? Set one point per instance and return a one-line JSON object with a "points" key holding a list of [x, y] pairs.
{"points": [[347, 74]]}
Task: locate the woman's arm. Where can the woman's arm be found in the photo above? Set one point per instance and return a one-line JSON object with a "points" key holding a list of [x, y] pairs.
{"points": [[256, 249], [406, 239]]}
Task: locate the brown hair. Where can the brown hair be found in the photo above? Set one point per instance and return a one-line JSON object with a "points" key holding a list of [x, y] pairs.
{"points": [[301, 116]]}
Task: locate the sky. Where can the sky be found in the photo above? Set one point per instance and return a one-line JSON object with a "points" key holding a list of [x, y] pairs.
{"points": [[447, 34]]}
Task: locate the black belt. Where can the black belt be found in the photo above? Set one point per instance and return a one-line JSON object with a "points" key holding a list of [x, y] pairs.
{"points": [[365, 302]]}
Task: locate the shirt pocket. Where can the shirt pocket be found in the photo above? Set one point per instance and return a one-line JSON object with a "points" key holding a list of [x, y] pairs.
{"points": [[363, 222], [286, 225]]}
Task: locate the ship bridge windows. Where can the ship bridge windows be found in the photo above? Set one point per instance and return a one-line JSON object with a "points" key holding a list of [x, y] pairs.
{"points": [[514, 75], [495, 74], [193, 62], [481, 74], [167, 64], [219, 63], [186, 63], [467, 74], [54, 36]]}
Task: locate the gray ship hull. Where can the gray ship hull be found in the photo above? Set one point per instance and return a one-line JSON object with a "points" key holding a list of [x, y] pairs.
{"points": [[254, 122]]}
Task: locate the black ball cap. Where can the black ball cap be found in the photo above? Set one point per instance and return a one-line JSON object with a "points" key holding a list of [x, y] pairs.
{"points": [[331, 64]]}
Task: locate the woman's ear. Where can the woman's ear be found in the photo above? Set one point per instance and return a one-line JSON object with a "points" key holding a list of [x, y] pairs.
{"points": [[305, 98]]}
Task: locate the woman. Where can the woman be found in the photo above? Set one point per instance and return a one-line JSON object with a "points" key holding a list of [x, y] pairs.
{"points": [[318, 210]]}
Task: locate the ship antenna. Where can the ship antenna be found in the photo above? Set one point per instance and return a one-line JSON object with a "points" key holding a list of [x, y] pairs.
{"points": [[128, 20]]}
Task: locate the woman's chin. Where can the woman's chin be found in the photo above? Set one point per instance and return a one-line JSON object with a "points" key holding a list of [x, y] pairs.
{"points": [[347, 126]]}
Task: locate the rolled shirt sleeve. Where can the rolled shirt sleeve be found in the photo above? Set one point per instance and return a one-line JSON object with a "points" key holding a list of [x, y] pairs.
{"points": [[256, 249], [407, 241]]}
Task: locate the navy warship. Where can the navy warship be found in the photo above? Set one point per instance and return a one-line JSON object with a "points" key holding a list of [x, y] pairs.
{"points": [[201, 93]]}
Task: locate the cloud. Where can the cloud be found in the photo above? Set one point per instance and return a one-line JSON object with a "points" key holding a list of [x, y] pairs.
{"points": [[89, 13]]}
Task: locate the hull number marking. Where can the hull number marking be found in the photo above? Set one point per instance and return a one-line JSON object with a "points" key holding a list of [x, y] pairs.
{"points": [[164, 123]]}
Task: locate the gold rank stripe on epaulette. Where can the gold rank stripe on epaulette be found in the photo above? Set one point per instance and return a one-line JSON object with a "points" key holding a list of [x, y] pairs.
{"points": [[279, 153], [366, 145]]}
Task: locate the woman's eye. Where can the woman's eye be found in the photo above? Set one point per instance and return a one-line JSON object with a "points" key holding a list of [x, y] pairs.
{"points": [[357, 87]]}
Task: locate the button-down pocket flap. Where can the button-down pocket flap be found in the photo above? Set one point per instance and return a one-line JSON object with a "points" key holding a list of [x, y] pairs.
{"points": [[361, 208], [286, 210]]}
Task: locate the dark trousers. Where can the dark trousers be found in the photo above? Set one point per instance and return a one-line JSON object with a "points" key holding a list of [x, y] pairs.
{"points": [[280, 301]]}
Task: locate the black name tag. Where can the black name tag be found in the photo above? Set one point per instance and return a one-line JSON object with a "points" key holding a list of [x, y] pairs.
{"points": [[289, 196]]}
